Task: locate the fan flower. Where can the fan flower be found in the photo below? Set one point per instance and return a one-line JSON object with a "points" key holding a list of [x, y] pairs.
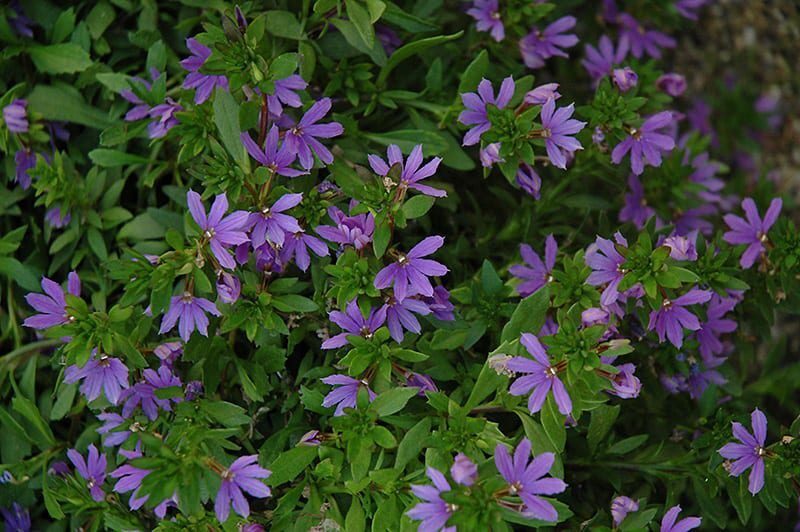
{"points": [[400, 315], [302, 137], [17, 519], [434, 512], [285, 94], [203, 84], [144, 393], [476, 115], [539, 378], [715, 325], [601, 61], [641, 40], [621, 506], [557, 128], [409, 274], [353, 323], [749, 454], [346, 395], [527, 479], [624, 78], [535, 273], [670, 320], [668, 523], [220, 233], [753, 230], [464, 471], [410, 173], [15, 115], [112, 421], [538, 46], [92, 469], [277, 161], [52, 304], [529, 181], [646, 143], [24, 160], [271, 224], [606, 263], [672, 84], [296, 245], [99, 372], [439, 304], [355, 230], [130, 478], [244, 474], [487, 15], [191, 311]]}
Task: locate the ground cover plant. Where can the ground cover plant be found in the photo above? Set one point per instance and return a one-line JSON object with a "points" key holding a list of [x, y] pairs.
{"points": [[375, 265]]}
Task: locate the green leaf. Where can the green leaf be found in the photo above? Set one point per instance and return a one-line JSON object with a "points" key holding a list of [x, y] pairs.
{"points": [[412, 443], [114, 158], [392, 401], [380, 240], [529, 316], [99, 19], [65, 58], [553, 424], [474, 72], [417, 206], [602, 419], [64, 25], [65, 104], [353, 38], [226, 117], [406, 139], [42, 434], [169, 392], [383, 437], [283, 24], [411, 49], [66, 394], [294, 303], [628, 444], [19, 273], [355, 519], [228, 414], [291, 463], [362, 22], [488, 381]]}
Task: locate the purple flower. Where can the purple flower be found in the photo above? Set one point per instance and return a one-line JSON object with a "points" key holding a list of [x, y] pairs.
{"points": [[700, 378], [670, 320], [346, 395], [144, 393], [752, 231], [93, 470], [646, 143], [542, 93], [689, 8], [16, 116], [439, 304], [625, 384], [704, 174], [410, 173], [624, 78], [297, 245], [601, 61], [540, 377], [243, 474], [220, 233], [355, 230], [168, 353], [598, 136], [682, 248], [419, 380], [528, 481], [24, 160], [165, 115], [750, 453], [538, 46], [130, 479], [202, 83], [112, 421], [285, 94], [434, 512], [606, 263], [276, 160], [535, 273], [140, 108], [17, 519], [557, 128], [228, 287], [103, 372], [388, 38], [715, 325], [475, 114], [57, 217], [487, 15], [641, 40], [52, 304], [310, 438], [621, 506], [193, 390], [19, 22], [684, 525], [301, 138], [271, 224], [528, 180], [400, 315], [191, 311], [672, 83], [490, 155], [409, 274], [464, 471], [353, 323]]}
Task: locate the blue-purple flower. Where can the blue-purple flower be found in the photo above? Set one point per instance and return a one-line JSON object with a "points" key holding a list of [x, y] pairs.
{"points": [[749, 454], [271, 224], [646, 143], [601, 61], [410, 173], [164, 114], [99, 373], [624, 78], [353, 323], [112, 421], [636, 209], [354, 230], [668, 523], [400, 316], [672, 83], [302, 137], [346, 394], [277, 161], [606, 263], [641, 39], [715, 325], [190, 310], [487, 15], [535, 273], [203, 84], [621, 506], [439, 304], [228, 287], [244, 474], [52, 305], [670, 320], [434, 512], [220, 233], [529, 181], [15, 115], [296, 245], [17, 519], [285, 94], [24, 160], [409, 273], [475, 104], [130, 478], [464, 471], [57, 217], [144, 393], [557, 130], [538, 46], [92, 469], [540, 377], [527, 479], [752, 231]]}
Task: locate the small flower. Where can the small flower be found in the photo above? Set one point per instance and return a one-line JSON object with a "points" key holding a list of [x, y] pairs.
{"points": [[670, 320], [277, 161], [353, 323], [641, 40], [194, 389], [57, 217], [346, 395], [749, 454], [621, 506], [103, 372], [93, 470], [598, 136], [24, 160], [538, 46], [112, 421], [646, 143], [487, 15], [434, 512], [302, 137], [285, 94], [271, 224], [528, 180], [490, 155], [296, 245], [191, 311], [18, 21], [203, 84], [527, 480], [542, 93], [636, 209], [168, 353], [310, 438], [535, 273], [625, 384], [355, 230], [220, 233], [166, 120], [624, 78], [410, 173], [130, 479], [715, 325], [601, 61], [17, 519], [52, 304], [400, 315], [464, 471], [539, 379], [144, 393], [419, 380], [606, 263], [439, 304], [16, 116], [388, 38], [752, 231], [409, 273], [557, 128], [668, 523], [672, 83], [475, 103], [228, 287], [689, 8], [243, 474]]}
